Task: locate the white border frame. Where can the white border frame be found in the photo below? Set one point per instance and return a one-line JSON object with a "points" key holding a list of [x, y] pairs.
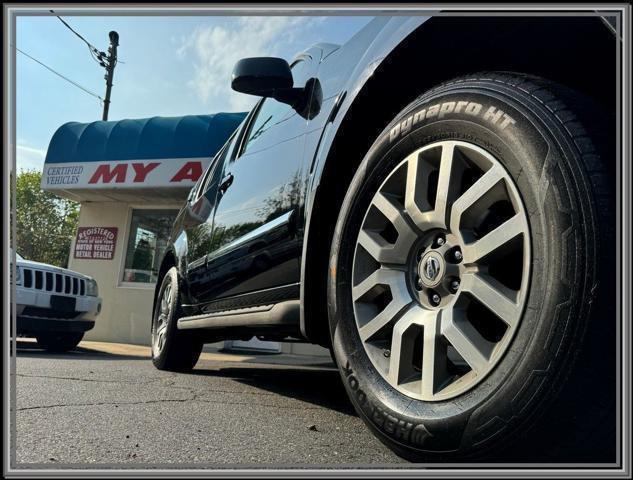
{"points": [[439, 470]]}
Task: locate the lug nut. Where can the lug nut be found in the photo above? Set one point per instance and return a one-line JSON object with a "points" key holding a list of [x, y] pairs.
{"points": [[435, 299], [454, 285], [387, 353], [418, 283], [457, 255], [439, 241]]}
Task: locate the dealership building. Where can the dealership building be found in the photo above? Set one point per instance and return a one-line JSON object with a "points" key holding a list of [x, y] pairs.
{"points": [[131, 177]]}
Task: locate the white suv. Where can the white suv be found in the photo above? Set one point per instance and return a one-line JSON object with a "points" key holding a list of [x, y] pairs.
{"points": [[55, 305]]}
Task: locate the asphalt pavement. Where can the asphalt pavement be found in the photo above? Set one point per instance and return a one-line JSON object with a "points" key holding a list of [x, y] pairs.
{"points": [[106, 405]]}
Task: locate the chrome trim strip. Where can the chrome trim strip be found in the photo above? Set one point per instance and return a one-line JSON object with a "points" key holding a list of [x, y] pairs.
{"points": [[261, 230]]}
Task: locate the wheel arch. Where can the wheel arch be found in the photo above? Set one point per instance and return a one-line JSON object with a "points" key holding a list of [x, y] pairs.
{"points": [[569, 51]]}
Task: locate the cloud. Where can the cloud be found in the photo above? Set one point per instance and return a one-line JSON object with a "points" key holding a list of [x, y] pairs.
{"points": [[28, 158], [214, 50]]}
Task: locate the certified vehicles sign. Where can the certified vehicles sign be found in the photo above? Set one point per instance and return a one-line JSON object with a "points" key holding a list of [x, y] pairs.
{"points": [[133, 173]]}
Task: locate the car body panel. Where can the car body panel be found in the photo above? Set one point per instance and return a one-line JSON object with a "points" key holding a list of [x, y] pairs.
{"points": [[86, 305], [50, 268], [251, 237], [53, 299], [254, 236], [251, 225], [362, 55]]}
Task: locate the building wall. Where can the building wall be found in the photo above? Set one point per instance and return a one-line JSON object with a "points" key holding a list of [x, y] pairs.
{"points": [[126, 308]]}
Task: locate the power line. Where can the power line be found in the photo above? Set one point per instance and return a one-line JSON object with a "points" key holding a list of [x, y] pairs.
{"points": [[59, 74], [91, 48]]}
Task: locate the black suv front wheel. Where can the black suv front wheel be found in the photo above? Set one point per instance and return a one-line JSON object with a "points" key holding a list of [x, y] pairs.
{"points": [[172, 349], [475, 241]]}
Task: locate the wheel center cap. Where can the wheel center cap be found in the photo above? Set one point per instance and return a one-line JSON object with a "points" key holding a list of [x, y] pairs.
{"points": [[431, 269]]}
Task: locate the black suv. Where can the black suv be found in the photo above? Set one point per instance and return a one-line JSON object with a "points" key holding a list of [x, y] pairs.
{"points": [[434, 201]]}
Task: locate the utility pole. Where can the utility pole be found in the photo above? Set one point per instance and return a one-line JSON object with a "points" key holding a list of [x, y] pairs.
{"points": [[109, 66]]}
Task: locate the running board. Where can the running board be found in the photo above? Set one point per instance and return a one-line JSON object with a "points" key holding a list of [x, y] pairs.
{"points": [[279, 314]]}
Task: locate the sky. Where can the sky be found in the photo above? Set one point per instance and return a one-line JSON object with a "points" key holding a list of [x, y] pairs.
{"points": [[168, 66]]}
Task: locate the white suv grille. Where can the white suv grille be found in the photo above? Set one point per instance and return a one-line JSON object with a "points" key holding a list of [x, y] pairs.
{"points": [[53, 282]]}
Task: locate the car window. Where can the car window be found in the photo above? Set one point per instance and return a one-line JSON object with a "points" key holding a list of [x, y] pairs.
{"points": [[211, 172], [217, 169], [197, 189], [272, 112]]}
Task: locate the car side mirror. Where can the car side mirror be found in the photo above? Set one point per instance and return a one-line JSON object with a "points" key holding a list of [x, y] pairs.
{"points": [[266, 77]]}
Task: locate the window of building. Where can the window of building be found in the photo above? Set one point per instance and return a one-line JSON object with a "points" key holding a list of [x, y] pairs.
{"points": [[147, 240]]}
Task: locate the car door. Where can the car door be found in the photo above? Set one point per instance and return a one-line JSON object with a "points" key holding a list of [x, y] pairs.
{"points": [[255, 242], [197, 222]]}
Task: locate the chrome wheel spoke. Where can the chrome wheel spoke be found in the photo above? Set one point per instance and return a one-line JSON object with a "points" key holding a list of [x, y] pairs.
{"points": [[168, 295], [389, 209], [433, 356], [426, 216], [382, 278], [462, 336], [166, 299], [161, 321], [161, 328], [444, 184], [373, 243], [397, 352], [401, 347], [494, 296], [500, 236], [475, 194], [376, 245], [394, 279], [161, 339]]}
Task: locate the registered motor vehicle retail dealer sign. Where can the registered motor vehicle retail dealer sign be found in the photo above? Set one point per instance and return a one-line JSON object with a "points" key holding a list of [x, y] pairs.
{"points": [[95, 243]]}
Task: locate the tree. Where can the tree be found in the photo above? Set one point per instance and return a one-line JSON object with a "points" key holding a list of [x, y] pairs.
{"points": [[287, 196], [45, 223]]}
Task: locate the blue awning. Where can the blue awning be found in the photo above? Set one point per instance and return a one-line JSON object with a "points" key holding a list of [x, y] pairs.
{"points": [[145, 160], [191, 136]]}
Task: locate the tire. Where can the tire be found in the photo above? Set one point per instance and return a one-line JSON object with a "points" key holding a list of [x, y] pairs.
{"points": [[550, 143], [333, 356], [58, 341], [172, 349]]}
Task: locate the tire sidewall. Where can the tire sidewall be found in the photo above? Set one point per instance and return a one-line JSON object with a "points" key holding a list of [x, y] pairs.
{"points": [[171, 277], [537, 157]]}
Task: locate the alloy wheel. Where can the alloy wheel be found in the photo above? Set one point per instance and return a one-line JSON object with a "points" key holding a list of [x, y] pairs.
{"points": [[161, 320], [441, 270]]}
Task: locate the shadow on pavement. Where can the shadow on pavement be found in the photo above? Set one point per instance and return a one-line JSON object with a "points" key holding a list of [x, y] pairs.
{"points": [[317, 383], [26, 349], [317, 386]]}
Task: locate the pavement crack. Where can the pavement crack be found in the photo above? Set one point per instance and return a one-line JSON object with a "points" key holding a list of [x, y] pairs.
{"points": [[96, 404], [192, 398], [79, 379], [281, 407]]}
